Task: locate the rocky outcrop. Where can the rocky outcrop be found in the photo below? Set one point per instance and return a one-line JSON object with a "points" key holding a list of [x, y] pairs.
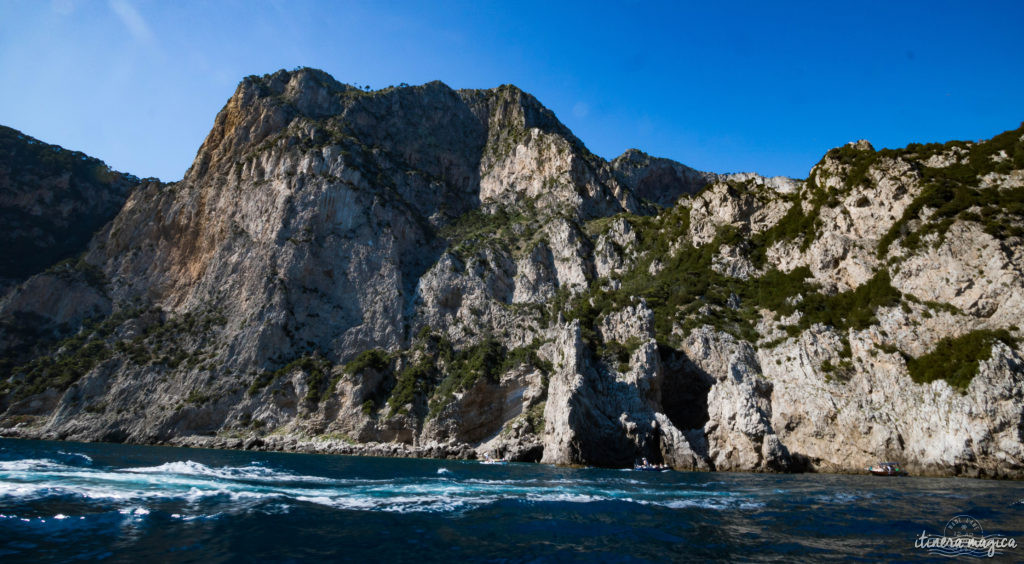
{"points": [[980, 276], [420, 271], [604, 415], [739, 431], [880, 413], [657, 180]]}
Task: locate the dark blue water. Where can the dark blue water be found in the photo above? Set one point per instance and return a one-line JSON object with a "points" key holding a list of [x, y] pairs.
{"points": [[72, 501]]}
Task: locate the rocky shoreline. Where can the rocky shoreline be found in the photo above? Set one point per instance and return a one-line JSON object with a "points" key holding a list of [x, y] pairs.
{"points": [[342, 447]]}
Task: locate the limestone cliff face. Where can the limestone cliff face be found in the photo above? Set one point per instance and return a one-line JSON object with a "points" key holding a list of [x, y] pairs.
{"points": [[419, 271]]}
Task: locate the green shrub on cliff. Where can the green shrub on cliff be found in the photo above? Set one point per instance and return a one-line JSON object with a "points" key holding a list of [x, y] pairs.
{"points": [[484, 360], [412, 384], [854, 309], [956, 360], [487, 360], [375, 359]]}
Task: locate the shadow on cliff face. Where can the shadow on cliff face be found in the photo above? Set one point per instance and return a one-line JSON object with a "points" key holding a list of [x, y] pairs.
{"points": [[684, 390]]}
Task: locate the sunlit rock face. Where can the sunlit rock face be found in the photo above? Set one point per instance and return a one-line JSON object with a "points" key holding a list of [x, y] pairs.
{"points": [[420, 271]]}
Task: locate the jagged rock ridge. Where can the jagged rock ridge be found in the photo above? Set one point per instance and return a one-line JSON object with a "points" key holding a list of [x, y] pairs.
{"points": [[424, 271]]}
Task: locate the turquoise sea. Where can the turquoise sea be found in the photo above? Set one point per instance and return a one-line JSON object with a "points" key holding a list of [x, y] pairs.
{"points": [[64, 501]]}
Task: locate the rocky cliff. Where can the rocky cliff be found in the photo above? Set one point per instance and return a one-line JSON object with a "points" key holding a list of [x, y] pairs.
{"points": [[420, 271]]}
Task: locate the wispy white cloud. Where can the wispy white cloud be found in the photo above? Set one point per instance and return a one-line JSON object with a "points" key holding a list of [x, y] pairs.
{"points": [[63, 7], [133, 20], [581, 110]]}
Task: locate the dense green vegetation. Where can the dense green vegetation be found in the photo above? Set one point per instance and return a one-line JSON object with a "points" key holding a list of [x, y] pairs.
{"points": [[795, 224], [854, 309], [376, 360], [60, 371], [318, 369], [263, 379], [527, 356], [163, 342], [92, 274], [86, 190], [435, 371], [431, 376], [1001, 212], [45, 159], [858, 162], [484, 360], [619, 353], [956, 360]]}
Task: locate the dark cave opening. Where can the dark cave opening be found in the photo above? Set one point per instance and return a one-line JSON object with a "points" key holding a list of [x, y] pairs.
{"points": [[684, 391]]}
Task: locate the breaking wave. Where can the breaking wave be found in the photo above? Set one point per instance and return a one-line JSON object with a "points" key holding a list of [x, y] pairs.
{"points": [[256, 487]]}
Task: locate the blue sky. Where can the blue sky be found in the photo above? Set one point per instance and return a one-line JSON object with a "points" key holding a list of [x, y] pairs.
{"points": [[760, 86]]}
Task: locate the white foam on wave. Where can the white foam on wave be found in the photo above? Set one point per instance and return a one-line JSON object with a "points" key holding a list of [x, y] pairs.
{"points": [[31, 465], [236, 489], [13, 489], [84, 457], [541, 482], [253, 472], [569, 497], [716, 503], [401, 504]]}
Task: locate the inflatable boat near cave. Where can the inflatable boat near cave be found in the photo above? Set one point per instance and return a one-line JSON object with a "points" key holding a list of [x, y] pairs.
{"points": [[887, 469], [644, 466], [488, 460]]}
